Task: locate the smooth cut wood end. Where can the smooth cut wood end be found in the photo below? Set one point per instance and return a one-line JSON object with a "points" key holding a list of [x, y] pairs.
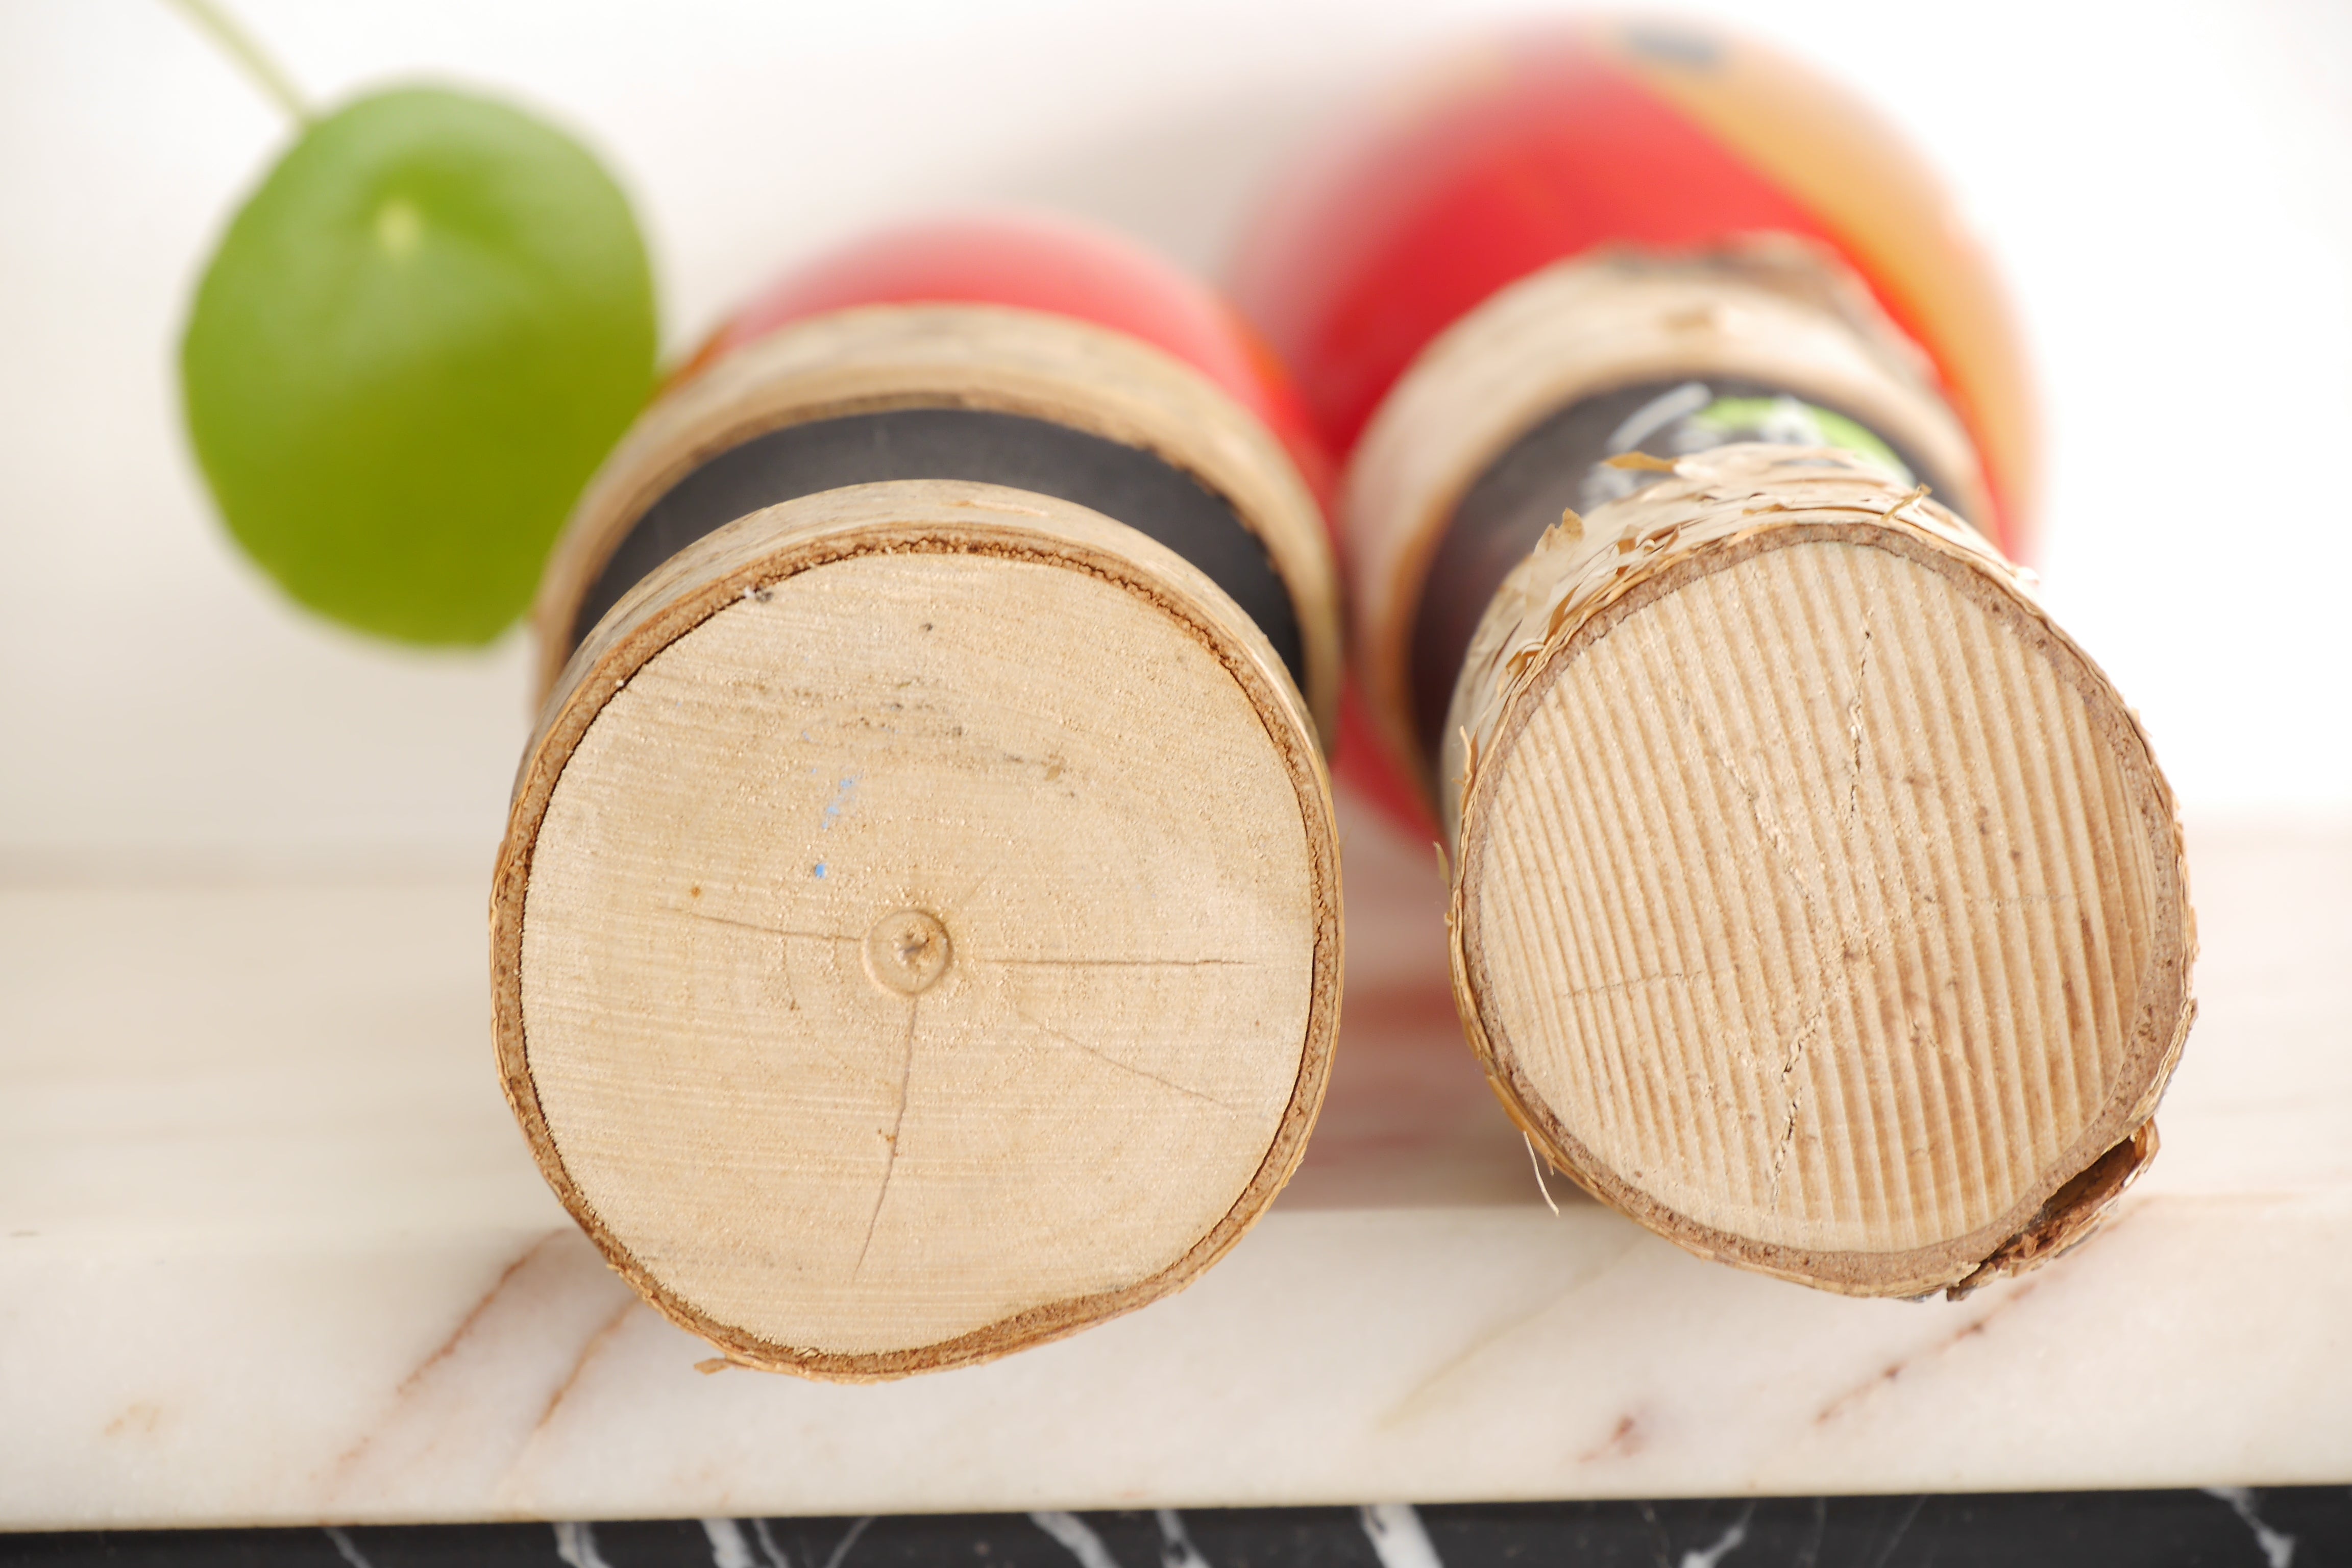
{"points": [[916, 936], [1819, 903]]}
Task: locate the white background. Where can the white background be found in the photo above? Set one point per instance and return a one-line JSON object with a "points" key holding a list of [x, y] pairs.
{"points": [[2169, 189]]}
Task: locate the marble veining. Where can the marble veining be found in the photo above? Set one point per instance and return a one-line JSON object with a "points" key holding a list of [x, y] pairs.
{"points": [[1826, 1533], [2278, 1549], [272, 1252], [1393, 1529], [1397, 1537]]}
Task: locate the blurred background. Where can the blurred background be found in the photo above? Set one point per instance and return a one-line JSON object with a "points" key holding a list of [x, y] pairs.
{"points": [[2169, 190]]}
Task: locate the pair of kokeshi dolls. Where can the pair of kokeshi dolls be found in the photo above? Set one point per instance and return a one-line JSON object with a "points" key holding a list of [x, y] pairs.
{"points": [[919, 936]]}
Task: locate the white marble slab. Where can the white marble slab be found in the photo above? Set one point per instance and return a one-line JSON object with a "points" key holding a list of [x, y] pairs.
{"points": [[270, 1251]]}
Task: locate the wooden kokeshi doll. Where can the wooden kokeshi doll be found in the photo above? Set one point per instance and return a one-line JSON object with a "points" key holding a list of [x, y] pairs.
{"points": [[1816, 900], [916, 934]]}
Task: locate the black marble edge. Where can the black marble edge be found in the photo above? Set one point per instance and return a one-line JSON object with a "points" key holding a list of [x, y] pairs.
{"points": [[2284, 1526]]}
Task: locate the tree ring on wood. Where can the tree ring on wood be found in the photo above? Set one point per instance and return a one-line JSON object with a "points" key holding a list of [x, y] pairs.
{"points": [[1069, 789]]}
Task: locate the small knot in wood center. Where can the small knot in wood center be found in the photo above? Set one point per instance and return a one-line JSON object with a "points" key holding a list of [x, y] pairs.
{"points": [[906, 950]]}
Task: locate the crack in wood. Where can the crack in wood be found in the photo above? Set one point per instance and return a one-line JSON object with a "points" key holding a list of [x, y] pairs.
{"points": [[1853, 725], [897, 1125], [733, 923], [1117, 962], [1104, 1057]]}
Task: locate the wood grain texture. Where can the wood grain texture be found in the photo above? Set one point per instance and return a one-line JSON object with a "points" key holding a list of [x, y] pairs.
{"points": [[1778, 310], [1817, 901], [962, 356], [916, 936]]}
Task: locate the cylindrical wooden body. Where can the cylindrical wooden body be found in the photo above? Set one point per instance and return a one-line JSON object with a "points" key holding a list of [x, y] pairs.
{"points": [[916, 934], [1815, 900]]}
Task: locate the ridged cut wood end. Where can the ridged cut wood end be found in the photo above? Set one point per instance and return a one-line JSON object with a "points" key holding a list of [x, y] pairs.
{"points": [[1819, 903]]}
